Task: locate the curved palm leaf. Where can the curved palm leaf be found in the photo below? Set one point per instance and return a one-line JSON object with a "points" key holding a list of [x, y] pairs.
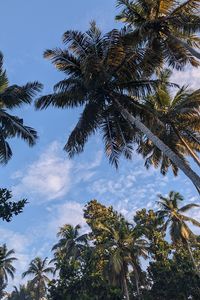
{"points": [[12, 126]]}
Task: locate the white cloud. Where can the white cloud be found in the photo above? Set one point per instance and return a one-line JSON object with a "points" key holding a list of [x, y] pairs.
{"points": [[67, 213], [52, 175], [48, 177], [14, 240], [188, 77]]}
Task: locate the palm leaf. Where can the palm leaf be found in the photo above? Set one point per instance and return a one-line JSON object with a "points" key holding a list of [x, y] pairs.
{"points": [[185, 7], [15, 96], [86, 126], [5, 150], [193, 221], [188, 207]]}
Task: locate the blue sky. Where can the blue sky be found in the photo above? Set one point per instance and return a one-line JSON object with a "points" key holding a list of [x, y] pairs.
{"points": [[57, 188]]}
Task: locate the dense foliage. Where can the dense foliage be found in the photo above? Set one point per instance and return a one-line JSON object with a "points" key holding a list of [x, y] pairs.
{"points": [[115, 258], [9, 208]]}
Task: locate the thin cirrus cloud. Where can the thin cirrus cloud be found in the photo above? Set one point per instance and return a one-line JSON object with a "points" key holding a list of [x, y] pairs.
{"points": [[52, 175]]}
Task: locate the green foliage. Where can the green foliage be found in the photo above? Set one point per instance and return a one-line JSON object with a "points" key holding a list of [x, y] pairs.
{"points": [[99, 68], [24, 292], [106, 262], [151, 225], [12, 97], [109, 78], [9, 208], [39, 270], [112, 76], [6, 267], [166, 28], [175, 277], [179, 124]]}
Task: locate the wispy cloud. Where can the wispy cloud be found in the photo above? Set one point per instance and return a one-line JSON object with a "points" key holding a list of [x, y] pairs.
{"points": [[188, 77], [70, 212], [52, 175], [48, 177]]}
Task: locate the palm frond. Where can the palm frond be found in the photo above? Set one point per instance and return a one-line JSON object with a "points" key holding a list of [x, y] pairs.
{"points": [[63, 61], [5, 150], [13, 126], [77, 42], [15, 96], [188, 207], [185, 7], [191, 220], [84, 128]]}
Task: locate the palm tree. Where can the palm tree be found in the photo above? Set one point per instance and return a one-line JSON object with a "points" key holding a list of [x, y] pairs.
{"points": [[6, 267], [123, 249], [180, 115], [6, 263], [12, 97], [21, 293], [177, 221], [71, 243], [106, 77], [169, 28], [39, 269]]}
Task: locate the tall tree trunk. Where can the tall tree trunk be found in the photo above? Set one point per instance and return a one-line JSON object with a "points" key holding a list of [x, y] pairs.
{"points": [[186, 46], [38, 291], [192, 153], [125, 285], [135, 121], [192, 258], [137, 283]]}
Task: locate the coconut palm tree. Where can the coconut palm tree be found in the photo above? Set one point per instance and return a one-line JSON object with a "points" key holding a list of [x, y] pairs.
{"points": [[180, 115], [6, 263], [106, 78], [39, 270], [6, 267], [12, 97], [177, 221], [123, 250], [71, 243], [169, 28], [21, 293]]}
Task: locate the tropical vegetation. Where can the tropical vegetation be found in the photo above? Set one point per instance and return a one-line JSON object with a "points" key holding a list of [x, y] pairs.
{"points": [[110, 80], [39, 270], [113, 257], [122, 82]]}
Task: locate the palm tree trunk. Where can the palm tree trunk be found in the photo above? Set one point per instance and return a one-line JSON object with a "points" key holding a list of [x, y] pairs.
{"points": [[126, 289], [38, 291], [192, 153], [186, 46], [137, 283], [135, 121], [125, 285], [192, 258]]}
